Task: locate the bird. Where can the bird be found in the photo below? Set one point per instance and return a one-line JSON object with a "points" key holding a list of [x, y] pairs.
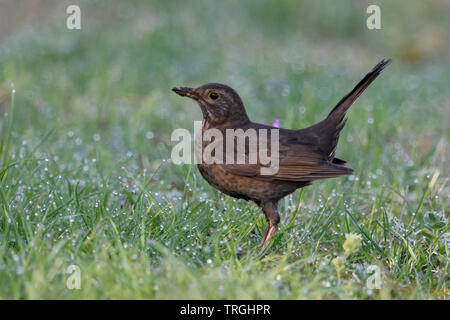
{"points": [[305, 155]]}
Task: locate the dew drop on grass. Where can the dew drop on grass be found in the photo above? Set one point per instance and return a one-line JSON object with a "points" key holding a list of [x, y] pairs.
{"points": [[19, 270], [149, 135], [96, 137]]}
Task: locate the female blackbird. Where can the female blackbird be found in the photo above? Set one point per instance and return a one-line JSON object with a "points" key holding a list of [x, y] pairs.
{"points": [[304, 155]]}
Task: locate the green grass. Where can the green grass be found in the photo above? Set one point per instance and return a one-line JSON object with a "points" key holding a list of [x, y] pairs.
{"points": [[90, 125]]}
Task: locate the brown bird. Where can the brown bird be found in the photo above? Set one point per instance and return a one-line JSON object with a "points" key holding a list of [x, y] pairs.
{"points": [[304, 155]]}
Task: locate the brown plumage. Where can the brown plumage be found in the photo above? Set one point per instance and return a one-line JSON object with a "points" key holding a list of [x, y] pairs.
{"points": [[305, 155]]}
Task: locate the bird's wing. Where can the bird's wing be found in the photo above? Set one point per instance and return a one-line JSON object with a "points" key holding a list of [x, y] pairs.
{"points": [[298, 161]]}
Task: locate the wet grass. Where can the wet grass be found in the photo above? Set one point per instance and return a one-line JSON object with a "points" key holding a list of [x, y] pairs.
{"points": [[86, 177]]}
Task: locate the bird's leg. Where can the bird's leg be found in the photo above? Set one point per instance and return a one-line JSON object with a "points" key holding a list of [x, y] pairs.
{"points": [[270, 209], [265, 234], [270, 231]]}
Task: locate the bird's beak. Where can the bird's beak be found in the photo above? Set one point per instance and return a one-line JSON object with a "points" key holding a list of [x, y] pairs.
{"points": [[186, 92]]}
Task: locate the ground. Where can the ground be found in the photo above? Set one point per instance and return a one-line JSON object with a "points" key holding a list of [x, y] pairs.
{"points": [[87, 186]]}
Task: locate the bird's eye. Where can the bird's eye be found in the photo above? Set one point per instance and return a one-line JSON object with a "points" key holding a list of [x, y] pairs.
{"points": [[213, 95]]}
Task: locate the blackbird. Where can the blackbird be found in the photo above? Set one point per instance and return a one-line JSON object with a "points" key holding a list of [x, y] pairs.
{"points": [[305, 155]]}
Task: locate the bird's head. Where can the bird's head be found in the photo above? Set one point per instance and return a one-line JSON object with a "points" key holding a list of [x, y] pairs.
{"points": [[219, 103]]}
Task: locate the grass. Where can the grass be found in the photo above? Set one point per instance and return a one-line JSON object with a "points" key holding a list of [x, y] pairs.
{"points": [[86, 178]]}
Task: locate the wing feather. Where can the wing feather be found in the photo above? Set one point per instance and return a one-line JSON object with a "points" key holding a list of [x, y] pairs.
{"points": [[298, 161]]}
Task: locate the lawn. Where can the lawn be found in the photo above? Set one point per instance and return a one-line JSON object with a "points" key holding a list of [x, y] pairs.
{"points": [[87, 186]]}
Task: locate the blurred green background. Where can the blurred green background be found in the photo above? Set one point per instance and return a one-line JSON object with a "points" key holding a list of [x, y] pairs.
{"points": [[93, 114]]}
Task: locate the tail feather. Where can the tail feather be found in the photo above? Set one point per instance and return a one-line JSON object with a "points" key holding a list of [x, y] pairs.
{"points": [[338, 113], [330, 127]]}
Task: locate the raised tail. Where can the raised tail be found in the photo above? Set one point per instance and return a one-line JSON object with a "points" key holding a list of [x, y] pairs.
{"points": [[329, 129], [338, 113]]}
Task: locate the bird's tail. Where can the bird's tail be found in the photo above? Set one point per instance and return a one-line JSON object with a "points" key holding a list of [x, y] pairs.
{"points": [[338, 113], [330, 127]]}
